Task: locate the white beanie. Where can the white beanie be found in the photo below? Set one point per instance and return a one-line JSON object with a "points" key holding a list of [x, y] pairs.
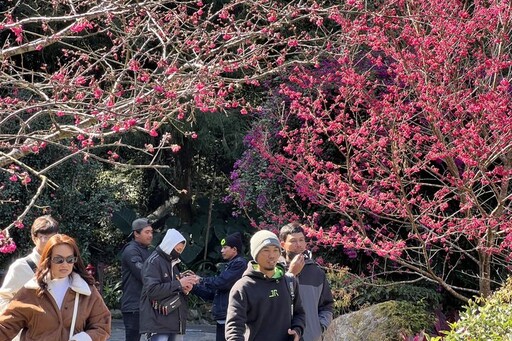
{"points": [[261, 239], [171, 239]]}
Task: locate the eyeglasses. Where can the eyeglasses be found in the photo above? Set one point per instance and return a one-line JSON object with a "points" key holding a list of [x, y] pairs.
{"points": [[60, 259]]}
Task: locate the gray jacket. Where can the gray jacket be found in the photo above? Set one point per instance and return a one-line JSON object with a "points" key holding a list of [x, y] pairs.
{"points": [[317, 300]]}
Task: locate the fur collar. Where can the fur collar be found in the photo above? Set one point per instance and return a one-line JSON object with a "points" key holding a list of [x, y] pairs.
{"points": [[78, 284]]}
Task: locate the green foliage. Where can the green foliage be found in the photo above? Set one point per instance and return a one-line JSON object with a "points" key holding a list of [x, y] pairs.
{"points": [[80, 201], [201, 307], [342, 292], [112, 287], [407, 317], [380, 291], [484, 319], [352, 292], [123, 220], [83, 205]]}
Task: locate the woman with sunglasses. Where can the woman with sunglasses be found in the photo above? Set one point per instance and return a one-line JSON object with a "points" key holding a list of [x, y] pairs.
{"points": [[60, 302]]}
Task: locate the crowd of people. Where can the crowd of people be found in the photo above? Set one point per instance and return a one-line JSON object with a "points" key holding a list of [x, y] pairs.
{"points": [[281, 294]]}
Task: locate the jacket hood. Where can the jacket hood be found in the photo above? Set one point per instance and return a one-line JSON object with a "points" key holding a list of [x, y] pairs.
{"points": [[78, 284], [171, 239]]}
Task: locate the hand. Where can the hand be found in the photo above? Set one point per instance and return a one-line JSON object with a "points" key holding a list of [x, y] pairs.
{"points": [[296, 336], [186, 289], [297, 264], [188, 282]]}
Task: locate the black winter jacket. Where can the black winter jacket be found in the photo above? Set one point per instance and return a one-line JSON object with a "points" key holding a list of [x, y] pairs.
{"points": [[160, 281], [133, 256]]}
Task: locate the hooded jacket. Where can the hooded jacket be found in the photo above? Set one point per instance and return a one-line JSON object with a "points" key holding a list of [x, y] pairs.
{"points": [[260, 308], [160, 278], [42, 320]]}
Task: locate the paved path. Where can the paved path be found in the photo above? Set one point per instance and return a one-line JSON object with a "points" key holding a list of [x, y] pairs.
{"points": [[195, 332]]}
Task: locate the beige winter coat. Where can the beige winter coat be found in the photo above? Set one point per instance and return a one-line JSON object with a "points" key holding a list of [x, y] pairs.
{"points": [[42, 320]]}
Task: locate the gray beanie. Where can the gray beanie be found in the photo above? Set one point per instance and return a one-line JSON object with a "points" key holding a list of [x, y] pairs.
{"points": [[261, 239]]}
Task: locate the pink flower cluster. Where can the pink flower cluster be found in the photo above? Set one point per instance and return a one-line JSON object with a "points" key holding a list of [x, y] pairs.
{"points": [[7, 245]]}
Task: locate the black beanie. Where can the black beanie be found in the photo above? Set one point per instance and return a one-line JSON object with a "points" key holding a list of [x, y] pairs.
{"points": [[233, 240]]}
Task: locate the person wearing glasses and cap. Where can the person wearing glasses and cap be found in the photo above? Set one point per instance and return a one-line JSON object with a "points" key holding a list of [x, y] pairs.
{"points": [[60, 302], [24, 268], [218, 287], [133, 255]]}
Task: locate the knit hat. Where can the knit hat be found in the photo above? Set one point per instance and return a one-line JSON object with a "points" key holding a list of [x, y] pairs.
{"points": [[171, 239], [261, 239], [233, 240]]}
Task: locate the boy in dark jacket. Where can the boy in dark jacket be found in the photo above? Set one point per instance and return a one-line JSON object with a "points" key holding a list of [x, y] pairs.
{"points": [[262, 306], [218, 287]]}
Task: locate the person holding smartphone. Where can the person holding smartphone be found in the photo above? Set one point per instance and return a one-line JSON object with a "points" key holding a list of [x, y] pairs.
{"points": [[163, 301], [315, 291]]}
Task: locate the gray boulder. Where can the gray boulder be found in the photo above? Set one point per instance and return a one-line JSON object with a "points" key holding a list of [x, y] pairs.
{"points": [[387, 321]]}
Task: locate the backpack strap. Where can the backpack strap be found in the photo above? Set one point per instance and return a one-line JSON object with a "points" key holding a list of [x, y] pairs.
{"points": [[31, 263], [290, 284]]}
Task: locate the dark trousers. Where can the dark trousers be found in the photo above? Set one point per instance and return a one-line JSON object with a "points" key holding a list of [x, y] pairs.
{"points": [[131, 326], [220, 332]]}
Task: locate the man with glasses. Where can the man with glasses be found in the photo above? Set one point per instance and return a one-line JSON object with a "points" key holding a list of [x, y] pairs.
{"points": [[23, 269]]}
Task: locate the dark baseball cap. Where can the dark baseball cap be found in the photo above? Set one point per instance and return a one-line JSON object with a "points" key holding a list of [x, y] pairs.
{"points": [[139, 224]]}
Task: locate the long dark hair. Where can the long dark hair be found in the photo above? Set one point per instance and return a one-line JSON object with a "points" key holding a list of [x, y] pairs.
{"points": [[43, 268]]}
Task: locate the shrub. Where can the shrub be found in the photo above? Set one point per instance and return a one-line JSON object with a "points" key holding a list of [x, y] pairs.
{"points": [[352, 292], [112, 288], [484, 318]]}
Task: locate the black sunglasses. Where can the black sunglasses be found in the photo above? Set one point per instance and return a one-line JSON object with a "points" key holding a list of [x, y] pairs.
{"points": [[60, 259]]}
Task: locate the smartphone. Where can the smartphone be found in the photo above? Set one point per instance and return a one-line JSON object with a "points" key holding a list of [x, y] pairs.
{"points": [[187, 273]]}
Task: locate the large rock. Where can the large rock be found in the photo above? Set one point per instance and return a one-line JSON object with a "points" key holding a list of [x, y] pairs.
{"points": [[381, 322]]}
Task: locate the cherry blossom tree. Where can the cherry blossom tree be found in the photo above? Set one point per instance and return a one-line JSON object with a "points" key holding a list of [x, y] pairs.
{"points": [[401, 146], [81, 76]]}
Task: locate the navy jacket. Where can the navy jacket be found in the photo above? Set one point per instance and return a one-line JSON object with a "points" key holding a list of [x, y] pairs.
{"points": [[218, 287]]}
